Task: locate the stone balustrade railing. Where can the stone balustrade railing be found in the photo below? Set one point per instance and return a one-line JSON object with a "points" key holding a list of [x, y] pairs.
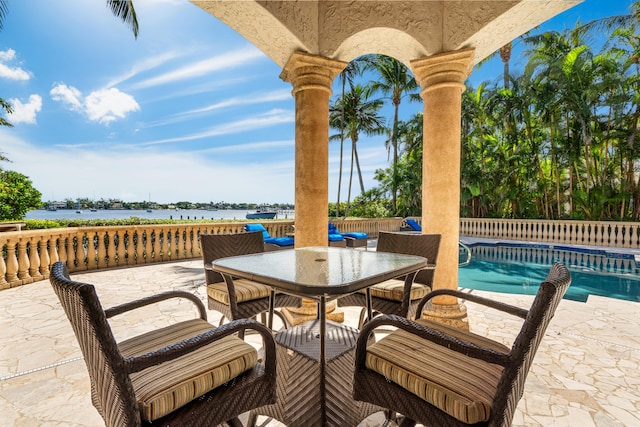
{"points": [[28, 255], [588, 233]]}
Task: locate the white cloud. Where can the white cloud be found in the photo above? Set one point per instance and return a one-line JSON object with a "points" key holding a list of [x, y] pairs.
{"points": [[11, 73], [68, 95], [268, 119], [103, 106], [107, 105], [144, 65], [250, 99], [206, 66], [7, 55], [254, 98], [25, 113]]}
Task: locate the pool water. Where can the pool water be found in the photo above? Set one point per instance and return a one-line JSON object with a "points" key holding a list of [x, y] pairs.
{"points": [[519, 269]]}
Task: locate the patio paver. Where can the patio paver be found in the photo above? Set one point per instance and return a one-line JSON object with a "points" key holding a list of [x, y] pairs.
{"points": [[586, 373]]}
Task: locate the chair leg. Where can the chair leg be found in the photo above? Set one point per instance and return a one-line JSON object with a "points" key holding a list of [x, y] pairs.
{"points": [[282, 318], [252, 420], [235, 422], [362, 318], [407, 422]]}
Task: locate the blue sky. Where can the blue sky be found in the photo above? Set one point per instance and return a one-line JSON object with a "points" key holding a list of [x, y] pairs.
{"points": [[188, 111]]}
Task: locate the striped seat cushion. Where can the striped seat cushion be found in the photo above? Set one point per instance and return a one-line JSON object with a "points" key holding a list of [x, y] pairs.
{"points": [[461, 386], [246, 290], [164, 388], [394, 289]]}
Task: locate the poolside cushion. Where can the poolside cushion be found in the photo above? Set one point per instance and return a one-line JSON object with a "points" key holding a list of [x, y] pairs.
{"points": [[335, 237], [164, 388], [394, 289], [280, 241], [257, 227], [356, 235], [333, 229], [461, 386], [413, 224], [246, 290]]}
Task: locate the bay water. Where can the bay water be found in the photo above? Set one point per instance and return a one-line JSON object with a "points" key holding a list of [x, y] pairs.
{"points": [[231, 214]]}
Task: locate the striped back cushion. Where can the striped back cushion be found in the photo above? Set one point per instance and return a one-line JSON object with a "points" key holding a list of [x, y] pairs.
{"points": [[394, 289], [459, 385], [164, 388], [246, 290]]}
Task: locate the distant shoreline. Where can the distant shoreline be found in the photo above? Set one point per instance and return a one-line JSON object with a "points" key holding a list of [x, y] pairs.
{"points": [[189, 214]]}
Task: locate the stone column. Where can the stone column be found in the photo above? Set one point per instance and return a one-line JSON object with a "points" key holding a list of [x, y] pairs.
{"points": [[311, 77], [442, 79]]}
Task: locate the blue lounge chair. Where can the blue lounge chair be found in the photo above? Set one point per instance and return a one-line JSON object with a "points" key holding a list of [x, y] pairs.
{"points": [[413, 224], [271, 243], [353, 239], [337, 239]]}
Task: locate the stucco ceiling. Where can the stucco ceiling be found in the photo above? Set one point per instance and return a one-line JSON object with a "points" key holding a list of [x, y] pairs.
{"points": [[404, 29]]}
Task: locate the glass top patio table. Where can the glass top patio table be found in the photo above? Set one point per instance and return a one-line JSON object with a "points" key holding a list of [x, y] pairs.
{"points": [[320, 271]]}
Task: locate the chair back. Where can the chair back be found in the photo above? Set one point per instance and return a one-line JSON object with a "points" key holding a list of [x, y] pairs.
{"points": [[511, 385], [424, 245], [215, 246], [111, 388]]}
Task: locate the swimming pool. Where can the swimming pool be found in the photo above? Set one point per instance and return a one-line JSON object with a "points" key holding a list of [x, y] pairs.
{"points": [[519, 269]]}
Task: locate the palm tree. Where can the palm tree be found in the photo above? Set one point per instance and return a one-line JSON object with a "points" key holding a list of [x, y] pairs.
{"points": [[395, 82], [613, 22], [354, 114], [122, 9], [348, 75]]}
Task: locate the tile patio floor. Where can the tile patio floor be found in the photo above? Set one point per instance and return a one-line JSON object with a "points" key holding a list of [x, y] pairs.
{"points": [[586, 373]]}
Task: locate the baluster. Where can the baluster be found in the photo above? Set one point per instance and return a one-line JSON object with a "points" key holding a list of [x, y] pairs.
{"points": [[12, 264], [165, 254], [149, 243], [3, 272], [189, 242], [53, 250], [179, 243], [112, 250], [34, 260], [138, 246], [104, 244], [79, 261], [124, 247], [62, 248], [44, 259], [23, 262]]}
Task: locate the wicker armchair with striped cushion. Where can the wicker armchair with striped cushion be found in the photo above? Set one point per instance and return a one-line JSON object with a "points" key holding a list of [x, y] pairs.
{"points": [[438, 375], [399, 296], [186, 374], [238, 298]]}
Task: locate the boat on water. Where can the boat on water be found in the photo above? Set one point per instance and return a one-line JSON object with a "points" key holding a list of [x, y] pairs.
{"points": [[262, 213]]}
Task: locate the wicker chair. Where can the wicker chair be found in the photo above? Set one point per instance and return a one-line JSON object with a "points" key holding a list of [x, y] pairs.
{"points": [[186, 374], [399, 296], [452, 377], [240, 298]]}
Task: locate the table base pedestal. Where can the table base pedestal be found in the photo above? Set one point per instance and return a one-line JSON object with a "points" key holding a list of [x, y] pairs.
{"points": [[299, 397]]}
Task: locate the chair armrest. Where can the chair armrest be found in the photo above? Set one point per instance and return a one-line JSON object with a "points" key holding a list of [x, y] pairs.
{"points": [[507, 308], [156, 357], [438, 337], [131, 305]]}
